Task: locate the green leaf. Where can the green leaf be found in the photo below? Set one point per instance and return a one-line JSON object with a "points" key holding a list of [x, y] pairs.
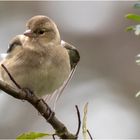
{"points": [[133, 17], [32, 135], [130, 28]]}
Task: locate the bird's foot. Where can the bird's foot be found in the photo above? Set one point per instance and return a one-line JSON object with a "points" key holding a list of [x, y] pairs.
{"points": [[29, 93]]}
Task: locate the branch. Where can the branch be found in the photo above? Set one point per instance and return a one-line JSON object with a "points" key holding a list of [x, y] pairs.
{"points": [[79, 121], [89, 134], [39, 104]]}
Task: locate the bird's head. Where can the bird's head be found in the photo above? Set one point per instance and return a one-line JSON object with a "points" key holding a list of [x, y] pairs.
{"points": [[42, 29]]}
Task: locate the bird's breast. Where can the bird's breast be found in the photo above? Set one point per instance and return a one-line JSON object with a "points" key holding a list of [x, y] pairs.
{"points": [[41, 74]]}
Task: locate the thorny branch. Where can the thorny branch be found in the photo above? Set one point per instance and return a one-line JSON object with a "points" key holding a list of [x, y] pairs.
{"points": [[41, 106]]}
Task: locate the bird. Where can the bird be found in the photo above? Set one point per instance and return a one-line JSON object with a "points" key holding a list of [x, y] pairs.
{"points": [[39, 60]]}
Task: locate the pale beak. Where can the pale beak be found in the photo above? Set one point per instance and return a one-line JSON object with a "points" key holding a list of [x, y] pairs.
{"points": [[29, 33]]}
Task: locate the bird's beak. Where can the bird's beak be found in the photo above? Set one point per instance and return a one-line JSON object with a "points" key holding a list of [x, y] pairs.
{"points": [[29, 33]]}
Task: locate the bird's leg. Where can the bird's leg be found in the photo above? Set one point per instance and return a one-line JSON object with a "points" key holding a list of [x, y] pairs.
{"points": [[28, 91]]}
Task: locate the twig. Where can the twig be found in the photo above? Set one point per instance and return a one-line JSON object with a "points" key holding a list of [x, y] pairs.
{"points": [[10, 76], [79, 121], [39, 104], [89, 134], [53, 136]]}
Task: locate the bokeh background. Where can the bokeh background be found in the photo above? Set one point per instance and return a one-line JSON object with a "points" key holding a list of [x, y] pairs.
{"points": [[107, 76]]}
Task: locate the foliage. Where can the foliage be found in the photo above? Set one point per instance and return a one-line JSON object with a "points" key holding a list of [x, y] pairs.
{"points": [[32, 135], [38, 135], [84, 126], [135, 18], [136, 29]]}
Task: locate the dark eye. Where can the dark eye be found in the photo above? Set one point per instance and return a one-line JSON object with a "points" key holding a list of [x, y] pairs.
{"points": [[41, 32]]}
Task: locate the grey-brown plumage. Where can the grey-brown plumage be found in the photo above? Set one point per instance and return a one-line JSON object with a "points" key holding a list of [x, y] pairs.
{"points": [[38, 60], [15, 42]]}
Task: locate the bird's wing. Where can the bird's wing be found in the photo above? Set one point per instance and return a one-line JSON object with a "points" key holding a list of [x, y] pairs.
{"points": [[74, 59], [16, 42]]}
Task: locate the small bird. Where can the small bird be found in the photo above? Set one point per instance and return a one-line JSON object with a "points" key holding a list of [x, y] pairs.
{"points": [[39, 60]]}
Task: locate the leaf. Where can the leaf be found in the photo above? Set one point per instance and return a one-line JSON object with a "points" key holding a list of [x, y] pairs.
{"points": [[130, 28], [133, 17], [138, 60], [84, 126], [32, 135], [137, 94]]}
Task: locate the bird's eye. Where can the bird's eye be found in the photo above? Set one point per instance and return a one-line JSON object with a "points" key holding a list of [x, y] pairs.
{"points": [[41, 32]]}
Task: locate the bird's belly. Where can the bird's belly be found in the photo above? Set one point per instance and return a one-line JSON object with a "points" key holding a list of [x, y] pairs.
{"points": [[47, 82], [44, 80], [43, 75]]}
